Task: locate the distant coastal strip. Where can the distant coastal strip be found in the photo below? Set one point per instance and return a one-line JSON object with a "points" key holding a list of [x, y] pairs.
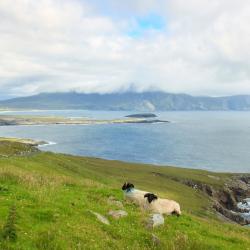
{"points": [[30, 142], [15, 120]]}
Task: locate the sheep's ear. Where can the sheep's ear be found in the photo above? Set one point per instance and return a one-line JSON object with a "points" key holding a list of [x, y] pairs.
{"points": [[155, 197], [152, 197], [124, 187], [131, 185]]}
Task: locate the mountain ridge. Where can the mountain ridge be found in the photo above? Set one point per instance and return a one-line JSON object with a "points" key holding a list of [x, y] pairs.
{"points": [[145, 101]]}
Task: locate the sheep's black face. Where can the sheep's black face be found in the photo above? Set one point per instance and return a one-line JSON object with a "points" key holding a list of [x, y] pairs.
{"points": [[124, 187], [127, 186], [150, 197]]}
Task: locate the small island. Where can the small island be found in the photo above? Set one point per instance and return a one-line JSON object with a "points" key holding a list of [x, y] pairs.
{"points": [[142, 115], [146, 118]]}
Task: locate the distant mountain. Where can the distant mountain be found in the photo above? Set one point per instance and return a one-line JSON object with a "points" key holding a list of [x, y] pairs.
{"points": [[147, 101]]}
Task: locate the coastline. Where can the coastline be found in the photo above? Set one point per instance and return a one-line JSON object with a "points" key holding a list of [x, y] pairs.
{"points": [[17, 120], [70, 186], [47, 143], [226, 191], [30, 142]]}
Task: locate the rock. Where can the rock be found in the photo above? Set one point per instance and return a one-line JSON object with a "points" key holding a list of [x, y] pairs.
{"points": [[240, 188], [155, 220], [200, 186], [156, 241], [112, 201], [245, 178], [244, 202], [117, 214], [225, 199], [101, 218], [230, 214]]}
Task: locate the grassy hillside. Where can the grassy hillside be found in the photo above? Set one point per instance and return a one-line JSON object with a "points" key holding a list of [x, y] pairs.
{"points": [[46, 200]]}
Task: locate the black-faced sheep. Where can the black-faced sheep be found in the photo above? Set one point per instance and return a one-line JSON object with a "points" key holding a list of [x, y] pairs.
{"points": [[134, 195], [161, 206]]}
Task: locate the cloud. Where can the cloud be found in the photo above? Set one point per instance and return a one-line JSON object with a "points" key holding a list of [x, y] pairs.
{"points": [[196, 46]]}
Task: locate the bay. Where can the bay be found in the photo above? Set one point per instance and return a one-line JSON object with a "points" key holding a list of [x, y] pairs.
{"points": [[215, 141]]}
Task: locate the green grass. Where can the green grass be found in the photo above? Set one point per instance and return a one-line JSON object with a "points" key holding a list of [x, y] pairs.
{"points": [[52, 195], [14, 147]]}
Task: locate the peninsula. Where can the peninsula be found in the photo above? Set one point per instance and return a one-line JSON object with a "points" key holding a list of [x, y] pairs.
{"points": [[14, 120]]}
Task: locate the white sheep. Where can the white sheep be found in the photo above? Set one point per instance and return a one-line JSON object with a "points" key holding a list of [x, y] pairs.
{"points": [[134, 195], [161, 206]]}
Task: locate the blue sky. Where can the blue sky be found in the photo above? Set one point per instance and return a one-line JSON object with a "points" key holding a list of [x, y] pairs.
{"points": [[150, 22], [198, 47]]}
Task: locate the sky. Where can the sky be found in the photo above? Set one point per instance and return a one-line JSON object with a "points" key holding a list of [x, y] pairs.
{"points": [[198, 47]]}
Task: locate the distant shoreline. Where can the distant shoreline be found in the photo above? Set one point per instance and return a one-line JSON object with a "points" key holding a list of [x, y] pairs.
{"points": [[31, 142], [17, 120]]}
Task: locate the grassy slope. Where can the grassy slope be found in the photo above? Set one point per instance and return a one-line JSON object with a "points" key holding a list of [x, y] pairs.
{"points": [[53, 194]]}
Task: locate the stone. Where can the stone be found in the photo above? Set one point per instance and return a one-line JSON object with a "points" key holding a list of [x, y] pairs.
{"points": [[101, 218], [117, 214], [155, 220], [240, 188]]}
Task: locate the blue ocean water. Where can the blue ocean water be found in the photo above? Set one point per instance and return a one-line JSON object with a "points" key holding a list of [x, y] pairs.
{"points": [[217, 141]]}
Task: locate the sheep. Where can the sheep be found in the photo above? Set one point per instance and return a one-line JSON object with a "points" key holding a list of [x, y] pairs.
{"points": [[134, 195], [161, 206]]}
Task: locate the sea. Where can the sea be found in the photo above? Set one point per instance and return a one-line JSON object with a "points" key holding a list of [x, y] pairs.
{"points": [[215, 141]]}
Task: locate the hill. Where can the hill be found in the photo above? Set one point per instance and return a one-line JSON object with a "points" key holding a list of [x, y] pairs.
{"points": [[46, 200], [147, 101]]}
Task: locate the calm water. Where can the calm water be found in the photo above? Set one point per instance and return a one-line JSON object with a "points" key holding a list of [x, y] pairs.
{"points": [[217, 141]]}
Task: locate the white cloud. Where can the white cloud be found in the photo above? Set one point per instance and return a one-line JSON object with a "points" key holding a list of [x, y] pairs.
{"points": [[60, 45]]}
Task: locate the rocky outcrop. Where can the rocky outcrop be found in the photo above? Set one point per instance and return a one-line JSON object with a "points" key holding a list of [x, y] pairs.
{"points": [[240, 187], [230, 214], [100, 218], [226, 198], [117, 214], [155, 220]]}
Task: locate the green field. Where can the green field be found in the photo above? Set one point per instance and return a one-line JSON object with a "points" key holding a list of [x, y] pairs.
{"points": [[46, 200]]}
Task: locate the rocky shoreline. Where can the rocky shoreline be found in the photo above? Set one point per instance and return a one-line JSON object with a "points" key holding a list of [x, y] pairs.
{"points": [[34, 143], [225, 199]]}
